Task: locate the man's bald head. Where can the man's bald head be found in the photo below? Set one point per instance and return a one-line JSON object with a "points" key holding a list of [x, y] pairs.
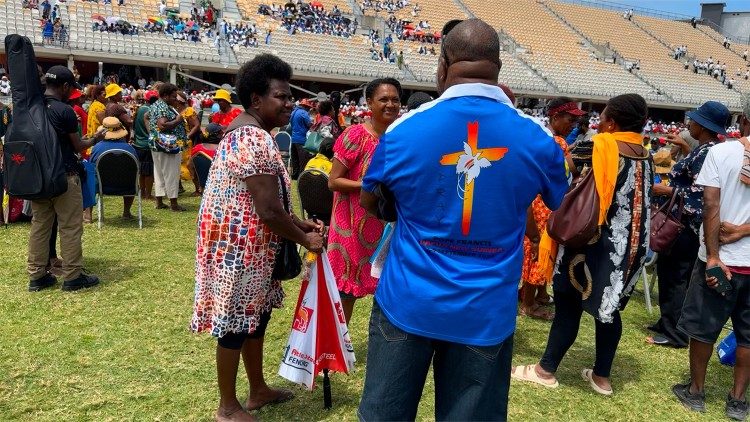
{"points": [[472, 40]]}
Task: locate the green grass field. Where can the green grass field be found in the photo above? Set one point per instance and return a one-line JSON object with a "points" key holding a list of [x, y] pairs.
{"points": [[122, 351]]}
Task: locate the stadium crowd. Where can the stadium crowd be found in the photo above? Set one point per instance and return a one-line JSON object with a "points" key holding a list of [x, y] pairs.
{"points": [[311, 18], [624, 172]]}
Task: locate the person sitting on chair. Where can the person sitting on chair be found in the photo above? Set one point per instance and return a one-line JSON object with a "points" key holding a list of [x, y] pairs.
{"points": [[115, 137], [208, 146], [210, 141], [322, 160]]}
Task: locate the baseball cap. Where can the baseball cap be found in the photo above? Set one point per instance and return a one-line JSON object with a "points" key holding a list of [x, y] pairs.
{"points": [[223, 94], [58, 75]]}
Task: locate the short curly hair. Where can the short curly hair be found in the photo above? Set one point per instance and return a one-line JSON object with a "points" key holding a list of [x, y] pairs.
{"points": [[167, 89], [254, 77]]}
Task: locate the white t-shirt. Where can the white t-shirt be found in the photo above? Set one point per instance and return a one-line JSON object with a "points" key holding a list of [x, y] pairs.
{"points": [[722, 170]]}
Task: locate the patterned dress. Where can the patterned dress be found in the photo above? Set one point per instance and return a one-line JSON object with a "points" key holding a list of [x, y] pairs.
{"points": [[354, 233], [530, 272], [234, 250], [682, 179], [606, 270]]}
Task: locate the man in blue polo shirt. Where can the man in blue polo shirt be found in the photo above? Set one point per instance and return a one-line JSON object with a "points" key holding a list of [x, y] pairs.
{"points": [[463, 170], [300, 122]]}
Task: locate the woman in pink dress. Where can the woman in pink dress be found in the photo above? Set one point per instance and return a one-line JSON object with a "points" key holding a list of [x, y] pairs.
{"points": [[354, 233]]}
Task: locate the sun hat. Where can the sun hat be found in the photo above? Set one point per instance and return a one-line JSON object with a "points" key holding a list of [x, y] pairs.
{"points": [[111, 90], [712, 115], [663, 161], [223, 94], [75, 94], [114, 128]]}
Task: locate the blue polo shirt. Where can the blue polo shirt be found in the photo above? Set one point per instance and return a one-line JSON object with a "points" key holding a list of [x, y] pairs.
{"points": [[463, 169], [301, 122]]}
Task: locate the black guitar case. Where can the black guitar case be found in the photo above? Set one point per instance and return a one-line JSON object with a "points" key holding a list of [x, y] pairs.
{"points": [[34, 167]]}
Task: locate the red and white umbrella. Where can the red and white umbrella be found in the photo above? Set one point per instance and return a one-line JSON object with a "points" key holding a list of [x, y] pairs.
{"points": [[319, 340]]}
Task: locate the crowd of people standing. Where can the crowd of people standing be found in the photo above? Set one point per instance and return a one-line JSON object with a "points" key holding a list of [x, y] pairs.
{"points": [[460, 247]]}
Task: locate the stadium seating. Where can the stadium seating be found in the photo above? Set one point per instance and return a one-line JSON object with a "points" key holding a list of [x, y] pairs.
{"points": [[557, 52], [323, 54], [699, 44], [549, 47], [656, 64]]}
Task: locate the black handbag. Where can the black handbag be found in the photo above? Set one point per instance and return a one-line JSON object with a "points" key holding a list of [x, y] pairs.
{"points": [[287, 264]]}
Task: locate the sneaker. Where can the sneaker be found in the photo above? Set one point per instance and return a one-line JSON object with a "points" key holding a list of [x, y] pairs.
{"points": [[695, 402], [47, 280], [82, 282], [736, 409]]}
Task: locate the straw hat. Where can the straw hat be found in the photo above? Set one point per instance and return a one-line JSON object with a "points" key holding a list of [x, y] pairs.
{"points": [[663, 161], [114, 128]]}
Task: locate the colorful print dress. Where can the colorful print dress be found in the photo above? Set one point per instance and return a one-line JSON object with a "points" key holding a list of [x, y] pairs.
{"points": [[606, 270], [234, 250], [354, 233], [530, 272]]}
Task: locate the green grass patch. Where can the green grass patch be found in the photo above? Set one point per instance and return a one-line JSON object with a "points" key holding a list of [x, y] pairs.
{"points": [[122, 350]]}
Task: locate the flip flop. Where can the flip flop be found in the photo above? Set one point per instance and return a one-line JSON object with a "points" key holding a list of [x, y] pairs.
{"points": [[283, 396], [658, 340], [538, 312], [528, 374], [588, 375]]}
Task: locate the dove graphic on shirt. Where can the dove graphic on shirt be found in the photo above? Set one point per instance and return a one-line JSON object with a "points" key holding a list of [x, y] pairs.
{"points": [[470, 163]]}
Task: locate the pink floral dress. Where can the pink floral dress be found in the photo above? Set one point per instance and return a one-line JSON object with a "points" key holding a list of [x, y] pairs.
{"points": [[234, 250], [354, 233]]}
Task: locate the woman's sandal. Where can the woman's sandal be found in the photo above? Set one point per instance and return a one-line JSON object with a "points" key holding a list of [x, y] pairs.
{"points": [[528, 374], [538, 312], [588, 375]]}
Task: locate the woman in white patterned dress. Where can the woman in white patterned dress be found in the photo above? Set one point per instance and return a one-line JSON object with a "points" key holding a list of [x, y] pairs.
{"points": [[241, 222]]}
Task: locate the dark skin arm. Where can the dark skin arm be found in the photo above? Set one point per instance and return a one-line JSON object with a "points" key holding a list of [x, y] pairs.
{"points": [[711, 229], [264, 190], [681, 143], [369, 202], [81, 145], [731, 233], [532, 233], [165, 124], [193, 122], [338, 182]]}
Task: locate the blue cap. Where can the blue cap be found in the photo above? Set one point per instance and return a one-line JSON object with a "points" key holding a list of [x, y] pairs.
{"points": [[712, 115]]}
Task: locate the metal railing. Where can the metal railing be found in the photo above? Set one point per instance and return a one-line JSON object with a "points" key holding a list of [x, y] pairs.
{"points": [[619, 7]]}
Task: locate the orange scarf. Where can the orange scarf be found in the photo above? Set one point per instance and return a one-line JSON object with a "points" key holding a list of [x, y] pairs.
{"points": [[605, 161]]}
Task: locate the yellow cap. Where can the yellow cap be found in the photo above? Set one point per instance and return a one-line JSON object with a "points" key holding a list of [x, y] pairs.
{"points": [[223, 94], [111, 90]]}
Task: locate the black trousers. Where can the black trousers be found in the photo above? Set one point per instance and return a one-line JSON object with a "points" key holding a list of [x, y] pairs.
{"points": [[674, 270], [299, 158], [564, 330]]}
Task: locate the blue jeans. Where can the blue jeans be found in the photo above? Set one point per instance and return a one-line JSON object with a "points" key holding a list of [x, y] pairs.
{"points": [[471, 382]]}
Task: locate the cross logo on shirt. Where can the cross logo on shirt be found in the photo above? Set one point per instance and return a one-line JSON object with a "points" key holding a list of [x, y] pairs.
{"points": [[468, 164]]}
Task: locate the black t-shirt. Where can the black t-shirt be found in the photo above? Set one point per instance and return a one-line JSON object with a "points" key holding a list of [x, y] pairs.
{"points": [[63, 118]]}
